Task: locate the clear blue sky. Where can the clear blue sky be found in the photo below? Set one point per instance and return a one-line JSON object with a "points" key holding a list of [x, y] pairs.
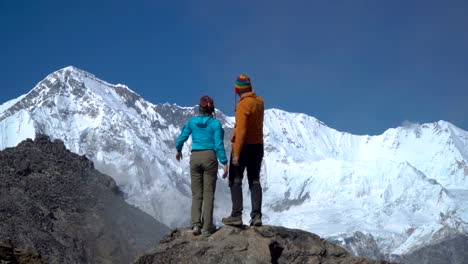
{"points": [[359, 66]]}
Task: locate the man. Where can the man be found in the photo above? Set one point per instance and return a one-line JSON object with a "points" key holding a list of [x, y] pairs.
{"points": [[207, 146], [247, 153]]}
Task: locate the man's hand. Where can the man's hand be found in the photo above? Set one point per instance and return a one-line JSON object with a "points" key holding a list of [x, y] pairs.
{"points": [[235, 161], [225, 173], [178, 156]]}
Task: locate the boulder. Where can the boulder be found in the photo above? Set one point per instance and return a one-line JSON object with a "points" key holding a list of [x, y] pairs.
{"points": [[249, 245]]}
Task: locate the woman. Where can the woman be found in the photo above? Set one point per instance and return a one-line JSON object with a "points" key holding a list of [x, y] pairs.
{"points": [[207, 146]]}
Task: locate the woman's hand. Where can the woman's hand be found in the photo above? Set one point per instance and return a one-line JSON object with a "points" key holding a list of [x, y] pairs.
{"points": [[178, 156], [225, 173]]}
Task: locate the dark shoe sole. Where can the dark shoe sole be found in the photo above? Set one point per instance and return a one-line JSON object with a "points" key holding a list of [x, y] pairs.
{"points": [[237, 223]]}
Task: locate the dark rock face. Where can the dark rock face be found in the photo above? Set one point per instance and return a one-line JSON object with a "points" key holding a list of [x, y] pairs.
{"points": [[453, 250], [55, 203], [266, 244], [10, 255], [360, 244]]}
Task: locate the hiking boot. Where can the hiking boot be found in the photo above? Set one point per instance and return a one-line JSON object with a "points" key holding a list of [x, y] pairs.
{"points": [[256, 221], [196, 230], [208, 232], [232, 220]]}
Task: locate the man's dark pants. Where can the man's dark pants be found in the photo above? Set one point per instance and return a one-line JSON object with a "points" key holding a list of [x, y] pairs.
{"points": [[251, 159]]}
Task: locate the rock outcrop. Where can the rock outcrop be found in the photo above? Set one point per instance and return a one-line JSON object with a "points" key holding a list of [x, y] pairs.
{"points": [[10, 255], [55, 204], [451, 250], [256, 245]]}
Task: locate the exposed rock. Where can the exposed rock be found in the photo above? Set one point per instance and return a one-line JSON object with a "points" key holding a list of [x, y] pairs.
{"points": [[55, 203], [11, 255], [451, 250], [265, 244], [359, 244]]}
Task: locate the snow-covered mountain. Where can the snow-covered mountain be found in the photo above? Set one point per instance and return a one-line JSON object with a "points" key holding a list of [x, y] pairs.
{"points": [[389, 194]]}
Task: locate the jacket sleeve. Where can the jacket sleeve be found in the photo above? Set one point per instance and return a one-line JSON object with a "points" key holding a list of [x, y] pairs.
{"points": [[219, 143], [242, 115], [184, 135]]}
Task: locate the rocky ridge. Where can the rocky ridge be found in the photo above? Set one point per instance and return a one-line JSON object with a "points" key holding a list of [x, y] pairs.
{"points": [[55, 204], [250, 245]]}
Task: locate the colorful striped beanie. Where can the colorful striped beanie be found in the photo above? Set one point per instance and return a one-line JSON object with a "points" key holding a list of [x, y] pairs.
{"points": [[243, 84]]}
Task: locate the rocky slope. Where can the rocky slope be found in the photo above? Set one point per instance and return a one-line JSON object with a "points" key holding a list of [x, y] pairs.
{"points": [[266, 244], [9, 254], [451, 250], [56, 204]]}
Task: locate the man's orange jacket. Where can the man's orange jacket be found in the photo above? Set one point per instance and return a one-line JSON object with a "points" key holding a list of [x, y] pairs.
{"points": [[249, 122]]}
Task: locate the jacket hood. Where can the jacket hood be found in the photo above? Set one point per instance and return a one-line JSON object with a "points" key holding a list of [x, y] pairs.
{"points": [[202, 120]]}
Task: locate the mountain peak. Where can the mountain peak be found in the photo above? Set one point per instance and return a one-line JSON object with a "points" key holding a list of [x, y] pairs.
{"points": [[61, 81], [72, 69], [73, 73], [71, 89]]}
